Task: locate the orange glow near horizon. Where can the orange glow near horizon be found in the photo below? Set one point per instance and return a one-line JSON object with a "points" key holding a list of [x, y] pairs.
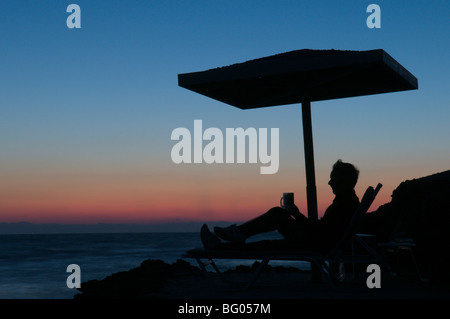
{"points": [[149, 205], [169, 193]]}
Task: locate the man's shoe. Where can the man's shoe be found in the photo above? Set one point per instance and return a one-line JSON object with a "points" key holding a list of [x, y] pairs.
{"points": [[231, 233], [209, 240]]}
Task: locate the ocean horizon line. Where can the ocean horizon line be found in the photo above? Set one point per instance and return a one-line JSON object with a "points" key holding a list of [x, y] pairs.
{"points": [[29, 228]]}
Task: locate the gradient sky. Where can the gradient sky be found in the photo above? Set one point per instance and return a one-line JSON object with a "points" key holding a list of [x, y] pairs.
{"points": [[86, 114]]}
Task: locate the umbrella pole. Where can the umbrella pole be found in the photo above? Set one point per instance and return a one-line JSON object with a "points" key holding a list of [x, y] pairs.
{"points": [[311, 194]]}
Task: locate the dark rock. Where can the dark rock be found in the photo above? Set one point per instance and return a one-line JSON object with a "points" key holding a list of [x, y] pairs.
{"points": [[138, 282], [420, 209]]}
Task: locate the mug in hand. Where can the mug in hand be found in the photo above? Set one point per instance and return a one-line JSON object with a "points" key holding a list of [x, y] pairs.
{"points": [[287, 200]]}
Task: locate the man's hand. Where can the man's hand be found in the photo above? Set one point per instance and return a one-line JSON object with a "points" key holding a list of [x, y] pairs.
{"points": [[294, 211]]}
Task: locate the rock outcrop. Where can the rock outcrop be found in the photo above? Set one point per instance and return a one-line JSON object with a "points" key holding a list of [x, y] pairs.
{"points": [[139, 282], [419, 209]]}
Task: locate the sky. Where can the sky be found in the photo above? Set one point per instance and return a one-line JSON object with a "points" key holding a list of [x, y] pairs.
{"points": [[86, 114]]}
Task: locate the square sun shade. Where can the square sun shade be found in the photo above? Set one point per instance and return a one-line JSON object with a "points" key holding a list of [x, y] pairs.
{"points": [[301, 76]]}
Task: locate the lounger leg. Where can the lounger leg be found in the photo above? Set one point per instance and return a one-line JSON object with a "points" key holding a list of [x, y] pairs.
{"points": [[258, 271], [256, 275], [326, 271], [221, 275], [201, 264], [213, 264]]}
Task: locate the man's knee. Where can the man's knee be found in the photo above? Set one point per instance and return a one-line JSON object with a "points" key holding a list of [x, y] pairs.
{"points": [[277, 211], [279, 216]]}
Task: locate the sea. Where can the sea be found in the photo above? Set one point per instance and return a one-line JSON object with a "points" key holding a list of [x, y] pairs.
{"points": [[35, 266]]}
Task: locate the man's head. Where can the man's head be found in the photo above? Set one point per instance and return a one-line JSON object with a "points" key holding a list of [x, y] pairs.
{"points": [[343, 177]]}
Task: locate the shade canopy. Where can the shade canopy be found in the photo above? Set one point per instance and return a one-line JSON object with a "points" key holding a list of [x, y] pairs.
{"points": [[301, 76]]}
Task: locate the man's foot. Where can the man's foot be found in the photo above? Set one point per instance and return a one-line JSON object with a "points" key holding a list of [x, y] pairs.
{"points": [[209, 240], [231, 233]]}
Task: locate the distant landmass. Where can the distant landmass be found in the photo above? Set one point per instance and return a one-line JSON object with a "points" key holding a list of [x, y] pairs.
{"points": [[53, 228]]}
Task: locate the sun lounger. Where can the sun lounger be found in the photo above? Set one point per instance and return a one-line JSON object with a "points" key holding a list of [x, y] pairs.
{"points": [[326, 263]]}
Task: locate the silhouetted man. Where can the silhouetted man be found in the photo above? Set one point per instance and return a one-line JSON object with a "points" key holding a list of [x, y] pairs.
{"points": [[298, 231]]}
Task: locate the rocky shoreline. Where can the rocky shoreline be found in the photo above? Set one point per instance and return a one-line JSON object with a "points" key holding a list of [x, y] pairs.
{"points": [[152, 277], [155, 279]]}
